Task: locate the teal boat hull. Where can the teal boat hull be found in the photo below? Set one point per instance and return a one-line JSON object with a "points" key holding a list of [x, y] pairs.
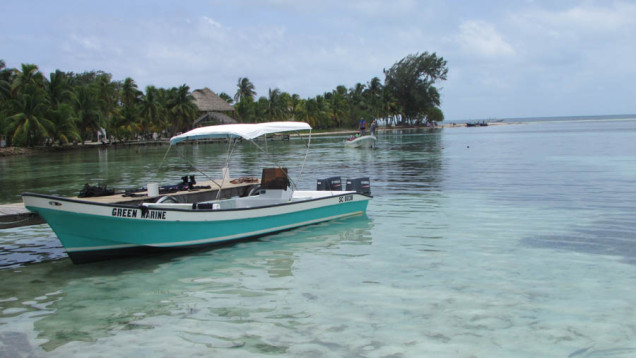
{"points": [[91, 231]]}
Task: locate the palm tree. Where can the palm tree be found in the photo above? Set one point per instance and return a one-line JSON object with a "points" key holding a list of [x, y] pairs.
{"points": [[129, 92], [373, 97], [150, 110], [246, 110], [127, 122], [338, 106], [285, 107], [6, 75], [87, 112], [276, 105], [28, 80], [26, 110], [64, 124], [295, 103], [357, 106], [107, 97], [182, 108], [315, 111], [164, 118], [28, 124], [226, 97], [59, 89], [245, 90], [389, 107]]}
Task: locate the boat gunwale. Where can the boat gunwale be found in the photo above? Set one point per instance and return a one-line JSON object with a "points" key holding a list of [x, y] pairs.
{"points": [[128, 206]]}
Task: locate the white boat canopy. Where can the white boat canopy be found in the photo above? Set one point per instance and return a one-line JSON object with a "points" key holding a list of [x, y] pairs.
{"points": [[242, 130]]}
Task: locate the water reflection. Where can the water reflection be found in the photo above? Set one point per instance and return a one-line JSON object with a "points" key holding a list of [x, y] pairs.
{"points": [[20, 246], [408, 162], [87, 302], [412, 157], [519, 235]]}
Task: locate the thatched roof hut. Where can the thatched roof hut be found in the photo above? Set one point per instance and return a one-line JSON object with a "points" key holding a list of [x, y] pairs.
{"points": [[211, 108]]}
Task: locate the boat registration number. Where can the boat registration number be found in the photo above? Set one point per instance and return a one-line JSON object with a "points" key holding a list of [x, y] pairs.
{"points": [[345, 198]]}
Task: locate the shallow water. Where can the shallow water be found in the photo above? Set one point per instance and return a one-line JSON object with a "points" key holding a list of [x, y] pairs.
{"points": [[501, 241]]}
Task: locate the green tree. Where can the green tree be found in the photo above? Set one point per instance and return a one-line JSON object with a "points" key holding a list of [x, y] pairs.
{"points": [[6, 75], [246, 110], [434, 114], [357, 106], [59, 89], [294, 106], [64, 122], [245, 90], [61, 113], [87, 112], [27, 108], [373, 97], [150, 109], [182, 109], [410, 81], [107, 93], [28, 124], [226, 97], [28, 81], [127, 124], [275, 105], [338, 106], [316, 112]]}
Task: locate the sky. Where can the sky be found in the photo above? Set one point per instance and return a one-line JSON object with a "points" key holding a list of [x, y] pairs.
{"points": [[505, 58]]}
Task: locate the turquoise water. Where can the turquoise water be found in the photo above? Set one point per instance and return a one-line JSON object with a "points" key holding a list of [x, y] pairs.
{"points": [[500, 241]]}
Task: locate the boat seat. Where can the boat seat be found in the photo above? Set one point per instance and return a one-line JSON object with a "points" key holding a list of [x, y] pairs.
{"points": [[274, 178]]}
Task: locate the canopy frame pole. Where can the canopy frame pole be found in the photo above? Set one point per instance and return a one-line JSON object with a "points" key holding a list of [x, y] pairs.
{"points": [[273, 161], [230, 149], [198, 170], [302, 167]]}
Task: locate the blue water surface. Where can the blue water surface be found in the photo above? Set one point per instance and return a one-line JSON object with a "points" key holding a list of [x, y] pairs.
{"points": [[498, 241]]}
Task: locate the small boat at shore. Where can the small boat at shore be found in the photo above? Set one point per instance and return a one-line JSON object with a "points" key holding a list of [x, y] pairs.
{"points": [[365, 141], [92, 231], [477, 124]]}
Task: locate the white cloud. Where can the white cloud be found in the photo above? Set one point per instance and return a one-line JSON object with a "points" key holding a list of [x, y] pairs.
{"points": [[89, 43], [506, 58], [481, 39], [211, 22], [610, 18]]}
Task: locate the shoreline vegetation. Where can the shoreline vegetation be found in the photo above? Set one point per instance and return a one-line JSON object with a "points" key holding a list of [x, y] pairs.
{"points": [[66, 108], [18, 151]]}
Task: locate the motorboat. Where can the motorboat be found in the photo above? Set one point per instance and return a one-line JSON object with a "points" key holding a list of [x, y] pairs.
{"points": [[92, 231], [365, 141]]}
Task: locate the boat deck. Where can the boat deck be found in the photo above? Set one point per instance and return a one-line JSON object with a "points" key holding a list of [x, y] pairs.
{"points": [[16, 215]]}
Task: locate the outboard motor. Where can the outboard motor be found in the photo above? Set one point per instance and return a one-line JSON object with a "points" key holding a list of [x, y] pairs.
{"points": [[359, 185], [329, 184]]}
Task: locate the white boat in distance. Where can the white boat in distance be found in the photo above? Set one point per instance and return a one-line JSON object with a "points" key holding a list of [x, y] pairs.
{"points": [[92, 231], [365, 141]]}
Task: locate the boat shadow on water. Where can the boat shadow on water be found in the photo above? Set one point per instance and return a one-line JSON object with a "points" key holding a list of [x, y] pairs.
{"points": [[39, 245]]}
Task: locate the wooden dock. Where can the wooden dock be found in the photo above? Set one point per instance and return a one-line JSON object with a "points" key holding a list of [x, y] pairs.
{"points": [[16, 215]]}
